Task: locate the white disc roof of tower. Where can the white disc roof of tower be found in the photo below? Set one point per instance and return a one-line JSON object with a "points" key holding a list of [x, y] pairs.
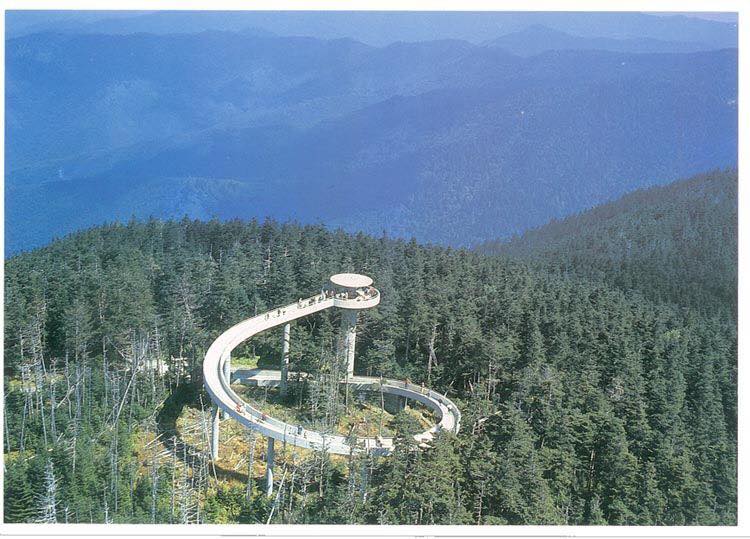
{"points": [[351, 280]]}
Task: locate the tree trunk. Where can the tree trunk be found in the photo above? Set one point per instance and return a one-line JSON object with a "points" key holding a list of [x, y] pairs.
{"points": [[432, 358]]}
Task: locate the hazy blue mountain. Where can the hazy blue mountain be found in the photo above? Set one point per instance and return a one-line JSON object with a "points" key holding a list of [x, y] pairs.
{"points": [[70, 97], [39, 213], [447, 141], [538, 38], [27, 21], [381, 28]]}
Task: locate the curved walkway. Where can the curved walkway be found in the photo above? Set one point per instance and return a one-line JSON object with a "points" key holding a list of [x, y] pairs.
{"points": [[215, 379]]}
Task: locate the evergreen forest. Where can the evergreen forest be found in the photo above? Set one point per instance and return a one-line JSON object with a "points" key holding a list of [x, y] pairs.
{"points": [[594, 389]]}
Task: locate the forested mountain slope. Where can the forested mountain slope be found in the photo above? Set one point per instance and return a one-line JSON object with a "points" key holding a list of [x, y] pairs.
{"points": [[444, 140], [676, 243], [581, 404]]}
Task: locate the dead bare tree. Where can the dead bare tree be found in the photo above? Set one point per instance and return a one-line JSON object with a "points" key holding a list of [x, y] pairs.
{"points": [[47, 501], [432, 358], [53, 405]]}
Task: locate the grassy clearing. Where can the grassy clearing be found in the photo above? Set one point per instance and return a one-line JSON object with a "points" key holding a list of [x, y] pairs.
{"points": [[364, 416], [246, 362]]}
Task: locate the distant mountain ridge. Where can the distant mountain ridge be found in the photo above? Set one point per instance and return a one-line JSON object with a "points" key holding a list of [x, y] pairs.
{"points": [[537, 38], [446, 141], [380, 28]]}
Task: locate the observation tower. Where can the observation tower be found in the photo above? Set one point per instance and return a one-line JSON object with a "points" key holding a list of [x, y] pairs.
{"points": [[351, 293], [345, 287]]}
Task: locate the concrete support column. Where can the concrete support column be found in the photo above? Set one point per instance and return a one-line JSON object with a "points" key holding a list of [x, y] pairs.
{"points": [[215, 434], [349, 330], [285, 358], [269, 467]]}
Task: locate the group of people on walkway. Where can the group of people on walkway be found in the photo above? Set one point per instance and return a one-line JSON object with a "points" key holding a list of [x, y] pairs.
{"points": [[368, 291]]}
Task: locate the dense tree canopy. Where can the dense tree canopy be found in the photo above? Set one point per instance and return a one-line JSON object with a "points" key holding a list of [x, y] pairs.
{"points": [[582, 403], [675, 243]]}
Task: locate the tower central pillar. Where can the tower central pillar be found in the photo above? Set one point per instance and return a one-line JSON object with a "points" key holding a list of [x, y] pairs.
{"points": [[349, 336], [352, 292], [285, 359]]}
